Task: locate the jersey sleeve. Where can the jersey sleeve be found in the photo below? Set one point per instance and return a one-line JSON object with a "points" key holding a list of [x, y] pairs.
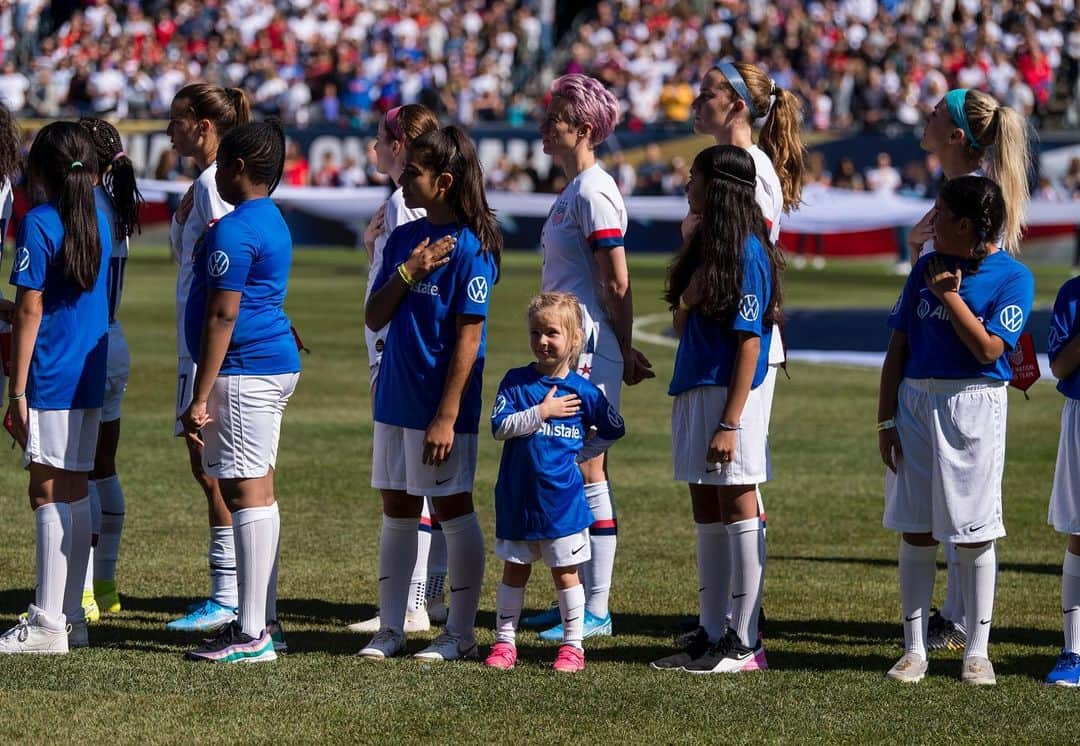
{"points": [[476, 278], [604, 417], [231, 251], [33, 251], [509, 417], [1009, 314], [754, 298], [1063, 326], [600, 216]]}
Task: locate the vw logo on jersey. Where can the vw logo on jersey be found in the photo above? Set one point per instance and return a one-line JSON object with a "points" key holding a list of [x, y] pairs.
{"points": [[218, 263], [478, 289], [614, 417], [924, 308], [22, 259], [1055, 338], [749, 308], [1012, 318], [500, 405]]}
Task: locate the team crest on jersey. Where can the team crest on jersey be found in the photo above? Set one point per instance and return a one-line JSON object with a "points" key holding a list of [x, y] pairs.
{"points": [[558, 213], [749, 307], [499, 406], [22, 259], [478, 289], [1012, 318], [613, 417], [218, 263]]}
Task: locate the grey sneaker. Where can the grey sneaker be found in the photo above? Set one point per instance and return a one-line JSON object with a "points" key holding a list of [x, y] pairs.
{"points": [[910, 669], [978, 671]]}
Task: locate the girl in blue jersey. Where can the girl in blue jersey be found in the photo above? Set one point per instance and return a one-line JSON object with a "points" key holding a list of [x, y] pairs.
{"points": [[724, 290], [56, 390], [544, 413], [118, 198], [1064, 515], [434, 285], [248, 366], [942, 410]]}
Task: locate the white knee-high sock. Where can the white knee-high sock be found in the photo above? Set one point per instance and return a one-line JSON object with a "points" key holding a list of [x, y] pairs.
{"points": [[436, 569], [222, 558], [714, 577], [603, 538], [465, 552], [418, 582], [918, 566], [747, 577], [572, 610], [978, 577], [271, 586], [253, 530], [107, 552], [95, 531], [1070, 601], [397, 556], [508, 604], [952, 608], [77, 560], [53, 528]]}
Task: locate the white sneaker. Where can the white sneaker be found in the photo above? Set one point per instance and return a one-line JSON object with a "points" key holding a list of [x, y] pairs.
{"points": [[978, 671], [78, 637], [437, 610], [449, 647], [415, 621], [34, 634], [910, 669], [385, 644]]}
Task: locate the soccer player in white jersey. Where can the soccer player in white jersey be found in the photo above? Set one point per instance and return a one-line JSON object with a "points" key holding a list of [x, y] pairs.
{"points": [[942, 411], [584, 254], [974, 135], [10, 165], [200, 116]]}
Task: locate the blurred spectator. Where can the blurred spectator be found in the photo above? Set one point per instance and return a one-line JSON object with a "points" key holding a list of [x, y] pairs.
{"points": [[297, 171], [846, 176], [651, 172], [329, 174], [623, 173], [883, 178]]}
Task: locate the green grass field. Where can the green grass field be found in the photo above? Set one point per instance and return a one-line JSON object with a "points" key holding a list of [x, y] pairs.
{"points": [[831, 591]]}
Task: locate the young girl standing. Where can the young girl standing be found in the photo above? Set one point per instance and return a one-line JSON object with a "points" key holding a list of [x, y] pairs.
{"points": [[117, 196], [200, 116], [248, 366], [544, 412], [725, 294], [56, 390], [942, 411], [435, 285]]}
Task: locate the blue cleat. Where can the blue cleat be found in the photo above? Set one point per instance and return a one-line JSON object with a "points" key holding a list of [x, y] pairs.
{"points": [[543, 620], [203, 617], [1066, 670], [594, 626]]}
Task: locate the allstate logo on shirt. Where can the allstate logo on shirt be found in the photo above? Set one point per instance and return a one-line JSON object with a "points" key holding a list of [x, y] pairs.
{"points": [[218, 263], [500, 405], [22, 259], [478, 289], [749, 308], [924, 308], [1012, 318], [613, 417]]}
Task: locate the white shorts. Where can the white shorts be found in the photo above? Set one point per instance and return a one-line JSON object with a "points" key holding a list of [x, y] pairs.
{"points": [[948, 481], [241, 439], [1064, 513], [375, 341], [601, 361], [695, 415], [62, 438], [567, 551], [117, 371], [397, 463], [185, 389]]}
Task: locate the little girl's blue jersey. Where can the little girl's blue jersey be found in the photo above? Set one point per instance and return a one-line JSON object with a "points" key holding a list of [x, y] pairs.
{"points": [[1000, 294], [67, 370], [248, 251], [540, 493], [1064, 326], [707, 347], [423, 330]]}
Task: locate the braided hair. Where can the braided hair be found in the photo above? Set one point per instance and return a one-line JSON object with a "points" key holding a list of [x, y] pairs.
{"points": [[261, 145], [978, 199], [117, 174]]}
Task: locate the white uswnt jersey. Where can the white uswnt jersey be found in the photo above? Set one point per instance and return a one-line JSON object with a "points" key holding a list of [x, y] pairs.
{"points": [[768, 192], [588, 216]]}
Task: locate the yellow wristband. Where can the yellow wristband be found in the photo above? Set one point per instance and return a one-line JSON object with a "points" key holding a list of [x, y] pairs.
{"points": [[405, 276], [889, 424], [683, 305]]}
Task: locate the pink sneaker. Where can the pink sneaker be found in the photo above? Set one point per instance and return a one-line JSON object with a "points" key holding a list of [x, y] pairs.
{"points": [[503, 656], [569, 659]]}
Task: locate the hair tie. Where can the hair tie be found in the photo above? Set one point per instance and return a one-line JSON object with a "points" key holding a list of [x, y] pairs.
{"points": [[773, 90], [732, 177], [954, 101], [119, 155], [75, 164], [735, 80]]}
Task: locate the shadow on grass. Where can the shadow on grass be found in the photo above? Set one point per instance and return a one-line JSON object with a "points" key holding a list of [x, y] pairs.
{"points": [[1020, 567]]}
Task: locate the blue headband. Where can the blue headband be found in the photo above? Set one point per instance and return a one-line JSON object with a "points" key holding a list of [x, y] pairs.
{"points": [[955, 99], [735, 80]]}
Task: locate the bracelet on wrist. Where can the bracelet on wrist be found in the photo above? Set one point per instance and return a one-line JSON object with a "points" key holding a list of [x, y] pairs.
{"points": [[728, 428], [16, 397], [889, 424], [405, 276], [683, 305]]}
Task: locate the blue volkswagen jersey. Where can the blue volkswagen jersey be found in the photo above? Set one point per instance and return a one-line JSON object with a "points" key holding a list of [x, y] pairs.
{"points": [[1064, 326], [707, 347], [1000, 294], [540, 493], [423, 329], [67, 369], [248, 251]]}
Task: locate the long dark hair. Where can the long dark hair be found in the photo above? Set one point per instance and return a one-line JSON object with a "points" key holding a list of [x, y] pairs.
{"points": [[118, 175], [64, 161], [730, 216], [10, 160], [980, 200], [450, 150], [261, 145]]}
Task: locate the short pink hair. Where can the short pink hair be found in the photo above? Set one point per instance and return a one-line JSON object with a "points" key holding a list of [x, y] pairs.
{"points": [[590, 103]]}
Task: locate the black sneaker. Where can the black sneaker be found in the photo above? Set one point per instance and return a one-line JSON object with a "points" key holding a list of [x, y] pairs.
{"points": [[729, 655], [696, 645]]}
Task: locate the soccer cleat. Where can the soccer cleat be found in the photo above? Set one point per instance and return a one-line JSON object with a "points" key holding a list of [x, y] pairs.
{"points": [[33, 634], [1066, 670], [78, 636], [569, 659], [547, 618], [593, 626], [415, 621], [449, 647], [978, 671], [437, 610], [206, 616], [942, 634], [503, 656], [386, 643], [91, 610], [696, 645], [910, 669], [277, 635], [233, 646], [108, 600], [728, 655]]}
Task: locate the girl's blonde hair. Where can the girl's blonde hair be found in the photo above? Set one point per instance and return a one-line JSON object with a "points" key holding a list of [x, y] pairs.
{"points": [[567, 308]]}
